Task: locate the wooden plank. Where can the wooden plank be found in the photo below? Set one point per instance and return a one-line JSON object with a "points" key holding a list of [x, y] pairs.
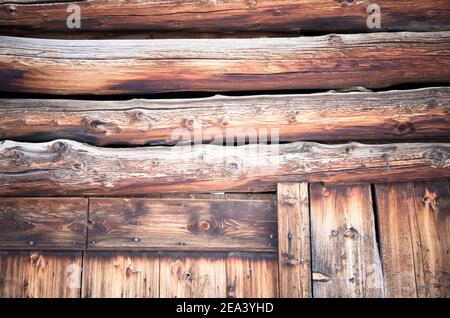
{"points": [[294, 240], [345, 256], [252, 275], [182, 225], [29, 17], [414, 225], [193, 275], [65, 167], [121, 275], [152, 66], [43, 223], [40, 274], [393, 115]]}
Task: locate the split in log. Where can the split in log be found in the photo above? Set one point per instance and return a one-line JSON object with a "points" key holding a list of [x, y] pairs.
{"points": [[31, 17], [152, 66], [395, 115], [66, 167]]}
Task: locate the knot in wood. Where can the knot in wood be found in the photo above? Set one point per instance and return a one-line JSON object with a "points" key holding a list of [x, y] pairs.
{"points": [[351, 232], [404, 128], [204, 226], [129, 271], [438, 158], [137, 115], [11, 9], [188, 123], [288, 199], [17, 158], [224, 120], [60, 148], [431, 199]]}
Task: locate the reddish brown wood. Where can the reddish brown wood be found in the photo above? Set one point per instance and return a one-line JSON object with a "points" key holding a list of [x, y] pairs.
{"points": [[152, 66], [66, 167], [29, 17], [393, 115]]}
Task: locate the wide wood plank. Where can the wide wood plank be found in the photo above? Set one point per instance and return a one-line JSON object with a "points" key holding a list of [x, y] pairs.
{"points": [[294, 240], [345, 256], [40, 274], [43, 223], [193, 275], [64, 167], [121, 275], [393, 115], [252, 275], [182, 225], [414, 225], [29, 17], [152, 66]]}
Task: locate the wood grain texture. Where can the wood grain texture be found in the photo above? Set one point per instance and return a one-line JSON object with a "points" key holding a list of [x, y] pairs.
{"points": [[29, 17], [152, 66], [294, 240], [345, 256], [40, 274], [64, 167], [414, 225], [43, 223], [252, 275], [121, 275], [216, 225], [193, 275], [394, 115]]}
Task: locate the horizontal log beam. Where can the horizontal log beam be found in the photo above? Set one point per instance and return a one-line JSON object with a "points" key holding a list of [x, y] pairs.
{"points": [[152, 66], [64, 167], [396, 115], [29, 17], [214, 225]]}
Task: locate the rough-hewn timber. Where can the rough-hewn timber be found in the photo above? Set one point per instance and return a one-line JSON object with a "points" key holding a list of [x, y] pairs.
{"points": [[394, 115], [151, 66], [215, 225], [28, 17], [64, 167]]}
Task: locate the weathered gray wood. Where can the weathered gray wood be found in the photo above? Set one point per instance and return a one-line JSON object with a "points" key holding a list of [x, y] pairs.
{"points": [[37, 16], [152, 66], [345, 256], [294, 250], [43, 223], [66, 167], [394, 115], [214, 225]]}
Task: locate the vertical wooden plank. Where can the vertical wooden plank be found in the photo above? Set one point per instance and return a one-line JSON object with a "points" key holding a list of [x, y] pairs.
{"points": [[121, 275], [252, 275], [40, 274], [345, 255], [294, 240], [193, 275], [414, 225]]}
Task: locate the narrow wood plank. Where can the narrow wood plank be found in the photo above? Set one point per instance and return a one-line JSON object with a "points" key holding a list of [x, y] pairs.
{"points": [[393, 115], [294, 240], [345, 256], [65, 167], [43, 223], [31, 17], [121, 275], [182, 224], [414, 225], [151, 66], [252, 275], [40, 274], [193, 275]]}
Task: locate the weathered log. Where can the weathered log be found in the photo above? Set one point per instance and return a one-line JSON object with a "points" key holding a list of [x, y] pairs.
{"points": [[66, 167], [28, 17], [152, 66], [396, 115]]}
